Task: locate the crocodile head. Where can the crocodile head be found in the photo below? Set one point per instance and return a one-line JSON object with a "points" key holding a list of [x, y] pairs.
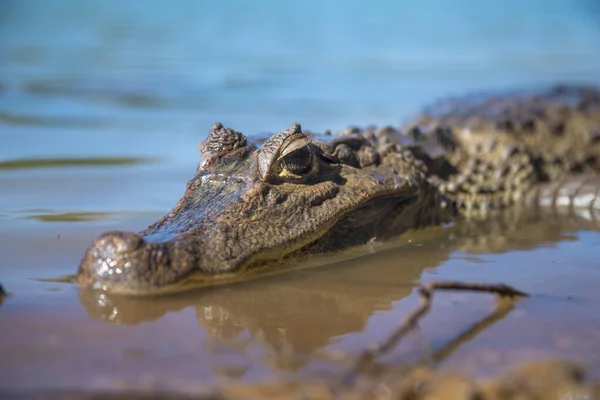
{"points": [[249, 207]]}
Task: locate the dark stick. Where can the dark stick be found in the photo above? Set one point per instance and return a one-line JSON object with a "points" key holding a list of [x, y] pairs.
{"points": [[426, 294], [502, 309], [2, 294]]}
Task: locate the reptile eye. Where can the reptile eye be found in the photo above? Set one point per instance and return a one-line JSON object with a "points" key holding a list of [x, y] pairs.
{"points": [[298, 161]]}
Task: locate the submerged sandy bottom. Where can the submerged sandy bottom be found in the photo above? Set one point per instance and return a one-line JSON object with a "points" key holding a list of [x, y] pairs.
{"points": [[305, 323]]}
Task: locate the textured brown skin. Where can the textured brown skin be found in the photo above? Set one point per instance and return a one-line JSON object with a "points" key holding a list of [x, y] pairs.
{"points": [[244, 209]]}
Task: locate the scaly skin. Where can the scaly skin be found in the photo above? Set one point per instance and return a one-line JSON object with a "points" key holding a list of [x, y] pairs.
{"points": [[249, 208]]}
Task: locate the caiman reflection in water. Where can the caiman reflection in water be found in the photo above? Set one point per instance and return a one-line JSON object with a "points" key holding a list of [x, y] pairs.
{"points": [[250, 208], [305, 309]]}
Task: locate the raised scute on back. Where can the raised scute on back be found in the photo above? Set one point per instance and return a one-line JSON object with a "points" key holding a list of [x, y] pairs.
{"points": [[489, 151], [219, 142]]}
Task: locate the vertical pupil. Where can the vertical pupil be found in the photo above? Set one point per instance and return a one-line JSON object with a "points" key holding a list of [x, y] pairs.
{"points": [[298, 161]]}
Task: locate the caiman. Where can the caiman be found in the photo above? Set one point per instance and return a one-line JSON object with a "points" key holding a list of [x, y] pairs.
{"points": [[253, 206]]}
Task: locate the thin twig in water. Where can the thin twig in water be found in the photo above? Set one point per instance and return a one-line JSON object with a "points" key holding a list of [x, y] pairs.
{"points": [[426, 294], [503, 307]]}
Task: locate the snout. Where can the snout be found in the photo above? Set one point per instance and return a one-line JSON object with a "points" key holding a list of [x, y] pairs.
{"points": [[110, 259], [127, 263]]}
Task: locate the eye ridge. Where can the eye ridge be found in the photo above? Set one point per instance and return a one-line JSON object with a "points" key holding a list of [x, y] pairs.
{"points": [[298, 161]]}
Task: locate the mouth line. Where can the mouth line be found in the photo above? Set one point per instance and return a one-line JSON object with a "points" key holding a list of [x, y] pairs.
{"points": [[285, 258]]}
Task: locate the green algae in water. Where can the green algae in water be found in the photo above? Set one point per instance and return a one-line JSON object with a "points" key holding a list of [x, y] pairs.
{"points": [[91, 91], [51, 162], [82, 216], [64, 122], [72, 217], [68, 278]]}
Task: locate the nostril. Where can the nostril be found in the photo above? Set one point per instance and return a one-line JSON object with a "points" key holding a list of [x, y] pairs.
{"points": [[110, 258], [118, 243]]}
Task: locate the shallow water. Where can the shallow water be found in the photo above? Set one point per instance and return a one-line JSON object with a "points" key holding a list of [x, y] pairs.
{"points": [[58, 336], [101, 110]]}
